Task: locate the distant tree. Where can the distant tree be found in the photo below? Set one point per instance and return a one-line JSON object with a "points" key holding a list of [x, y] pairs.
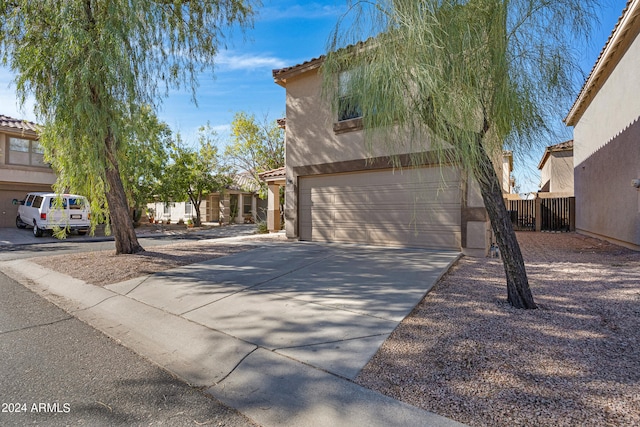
{"points": [[193, 173], [145, 160], [89, 63], [256, 146], [465, 77]]}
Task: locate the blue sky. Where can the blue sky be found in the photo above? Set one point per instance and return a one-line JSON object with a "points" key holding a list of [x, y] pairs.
{"points": [[285, 33]]}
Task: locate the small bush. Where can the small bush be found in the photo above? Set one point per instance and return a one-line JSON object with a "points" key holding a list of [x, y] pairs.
{"points": [[262, 227]]}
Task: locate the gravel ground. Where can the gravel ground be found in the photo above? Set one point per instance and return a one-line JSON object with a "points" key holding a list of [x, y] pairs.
{"points": [[105, 267], [464, 353]]}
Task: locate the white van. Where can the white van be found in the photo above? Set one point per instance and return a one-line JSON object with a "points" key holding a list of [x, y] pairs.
{"points": [[46, 211]]}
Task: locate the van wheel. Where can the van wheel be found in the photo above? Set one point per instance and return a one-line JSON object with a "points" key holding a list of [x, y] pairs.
{"points": [[19, 223], [36, 231]]}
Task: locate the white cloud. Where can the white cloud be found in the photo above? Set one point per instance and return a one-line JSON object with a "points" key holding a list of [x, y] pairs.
{"points": [[304, 11], [232, 61]]}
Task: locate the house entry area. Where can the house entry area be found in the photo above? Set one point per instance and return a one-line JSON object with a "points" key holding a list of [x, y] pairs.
{"points": [[418, 207]]}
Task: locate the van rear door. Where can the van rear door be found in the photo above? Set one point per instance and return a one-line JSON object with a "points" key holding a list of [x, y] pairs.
{"points": [[78, 209]]}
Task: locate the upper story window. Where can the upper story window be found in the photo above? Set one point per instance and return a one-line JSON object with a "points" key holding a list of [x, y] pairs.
{"points": [[26, 152], [348, 107]]}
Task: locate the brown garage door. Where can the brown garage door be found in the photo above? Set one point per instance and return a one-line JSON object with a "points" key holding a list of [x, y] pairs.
{"points": [[413, 207]]}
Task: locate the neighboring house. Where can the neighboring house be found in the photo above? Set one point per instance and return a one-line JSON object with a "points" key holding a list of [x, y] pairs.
{"points": [[239, 203], [338, 191], [508, 181], [22, 167], [606, 138], [556, 170]]}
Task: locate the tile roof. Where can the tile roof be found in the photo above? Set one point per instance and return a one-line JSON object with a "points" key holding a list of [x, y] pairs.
{"points": [[10, 122], [274, 173], [567, 145], [279, 71], [563, 146], [279, 74], [243, 182]]}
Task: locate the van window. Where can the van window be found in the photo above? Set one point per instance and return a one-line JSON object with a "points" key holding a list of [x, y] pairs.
{"points": [[53, 202], [29, 200], [76, 203], [37, 202]]}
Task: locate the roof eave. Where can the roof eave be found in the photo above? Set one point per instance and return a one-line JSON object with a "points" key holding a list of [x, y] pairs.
{"points": [[281, 76], [19, 132], [621, 38]]}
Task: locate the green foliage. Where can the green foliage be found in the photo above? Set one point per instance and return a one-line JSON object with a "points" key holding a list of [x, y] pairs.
{"points": [[262, 227], [256, 147], [144, 160], [90, 64], [193, 173]]}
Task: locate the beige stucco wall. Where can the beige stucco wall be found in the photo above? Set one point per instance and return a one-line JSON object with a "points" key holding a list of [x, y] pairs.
{"points": [[557, 173], [615, 107], [309, 132], [607, 156]]}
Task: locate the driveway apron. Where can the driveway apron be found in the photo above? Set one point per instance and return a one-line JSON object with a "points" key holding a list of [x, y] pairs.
{"points": [[329, 306]]}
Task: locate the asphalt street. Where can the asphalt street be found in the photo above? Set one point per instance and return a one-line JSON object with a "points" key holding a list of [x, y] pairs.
{"points": [[56, 371]]}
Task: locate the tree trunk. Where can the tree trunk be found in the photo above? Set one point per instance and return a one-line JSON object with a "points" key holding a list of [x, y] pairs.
{"points": [[196, 201], [518, 292], [121, 222], [198, 220]]}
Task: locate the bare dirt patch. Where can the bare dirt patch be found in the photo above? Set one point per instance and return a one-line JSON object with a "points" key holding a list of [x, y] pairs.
{"points": [[105, 267], [464, 353]]}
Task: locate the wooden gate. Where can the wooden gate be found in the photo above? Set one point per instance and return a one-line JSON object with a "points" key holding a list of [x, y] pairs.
{"points": [[542, 214], [523, 214], [557, 214]]}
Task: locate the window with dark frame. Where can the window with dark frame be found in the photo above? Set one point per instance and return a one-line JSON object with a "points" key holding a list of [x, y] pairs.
{"points": [[247, 205], [26, 152], [348, 107]]}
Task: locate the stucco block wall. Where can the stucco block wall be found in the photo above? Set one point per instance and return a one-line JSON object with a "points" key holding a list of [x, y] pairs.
{"points": [[615, 107], [607, 156], [606, 203]]}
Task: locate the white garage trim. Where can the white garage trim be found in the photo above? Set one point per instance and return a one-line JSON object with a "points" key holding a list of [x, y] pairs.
{"points": [[417, 207]]}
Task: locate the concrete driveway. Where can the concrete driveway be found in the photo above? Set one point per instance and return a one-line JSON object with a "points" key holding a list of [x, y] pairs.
{"points": [[327, 306], [277, 332]]}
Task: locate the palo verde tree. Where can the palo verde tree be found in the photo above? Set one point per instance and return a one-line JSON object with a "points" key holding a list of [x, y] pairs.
{"points": [[256, 147], [88, 63], [193, 173], [464, 79]]}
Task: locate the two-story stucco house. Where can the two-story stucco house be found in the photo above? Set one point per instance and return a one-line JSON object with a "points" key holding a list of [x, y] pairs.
{"points": [[606, 138], [22, 167], [556, 169], [338, 190]]}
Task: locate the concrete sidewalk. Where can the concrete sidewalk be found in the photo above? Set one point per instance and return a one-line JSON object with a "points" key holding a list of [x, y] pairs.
{"points": [[277, 332]]}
